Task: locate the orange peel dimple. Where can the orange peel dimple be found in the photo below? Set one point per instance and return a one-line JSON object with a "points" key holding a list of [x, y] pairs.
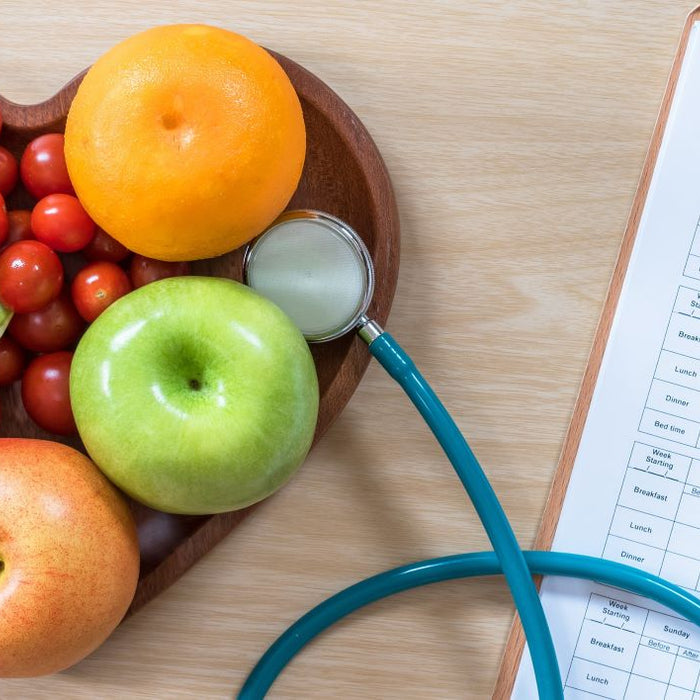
{"points": [[185, 141], [171, 120]]}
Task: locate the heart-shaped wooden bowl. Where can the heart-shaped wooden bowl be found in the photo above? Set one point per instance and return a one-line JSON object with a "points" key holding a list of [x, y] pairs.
{"points": [[344, 175]]}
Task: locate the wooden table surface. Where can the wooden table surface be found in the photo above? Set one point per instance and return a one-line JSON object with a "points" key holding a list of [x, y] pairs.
{"points": [[514, 133]]}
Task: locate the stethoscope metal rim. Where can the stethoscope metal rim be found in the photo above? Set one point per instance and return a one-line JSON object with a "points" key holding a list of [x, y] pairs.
{"points": [[350, 237]]}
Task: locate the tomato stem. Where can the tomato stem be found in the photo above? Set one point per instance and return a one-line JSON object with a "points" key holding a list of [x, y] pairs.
{"points": [[5, 318]]}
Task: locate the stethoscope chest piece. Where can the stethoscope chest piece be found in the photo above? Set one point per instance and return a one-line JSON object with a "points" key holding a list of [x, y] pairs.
{"points": [[316, 269]]}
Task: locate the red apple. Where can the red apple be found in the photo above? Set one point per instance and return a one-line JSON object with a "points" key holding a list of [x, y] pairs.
{"points": [[69, 557]]}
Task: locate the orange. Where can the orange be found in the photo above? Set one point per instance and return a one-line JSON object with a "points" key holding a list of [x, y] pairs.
{"points": [[185, 141]]}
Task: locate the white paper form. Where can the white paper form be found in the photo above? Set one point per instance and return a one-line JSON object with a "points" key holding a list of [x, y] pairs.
{"points": [[634, 493]]}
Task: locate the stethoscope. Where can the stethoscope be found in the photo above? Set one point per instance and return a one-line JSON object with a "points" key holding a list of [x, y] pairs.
{"points": [[317, 269]]}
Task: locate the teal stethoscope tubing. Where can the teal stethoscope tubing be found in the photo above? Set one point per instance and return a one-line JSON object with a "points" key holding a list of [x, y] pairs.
{"points": [[517, 566], [452, 567], [401, 368]]}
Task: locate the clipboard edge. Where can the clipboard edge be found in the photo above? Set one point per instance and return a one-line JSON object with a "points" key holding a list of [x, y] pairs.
{"points": [[515, 643]]}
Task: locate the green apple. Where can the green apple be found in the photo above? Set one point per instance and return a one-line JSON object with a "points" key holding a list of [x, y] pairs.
{"points": [[195, 395]]}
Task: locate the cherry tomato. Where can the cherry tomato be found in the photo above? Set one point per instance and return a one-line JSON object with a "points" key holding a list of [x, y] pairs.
{"points": [[8, 171], [43, 167], [12, 361], [46, 395], [146, 270], [96, 286], [60, 221], [19, 226], [4, 221], [54, 327], [104, 247], [31, 275]]}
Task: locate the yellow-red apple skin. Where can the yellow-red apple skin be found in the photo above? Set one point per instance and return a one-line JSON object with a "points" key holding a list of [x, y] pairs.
{"points": [[70, 557]]}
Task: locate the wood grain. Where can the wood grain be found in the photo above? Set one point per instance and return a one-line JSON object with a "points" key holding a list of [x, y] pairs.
{"points": [[514, 133], [516, 640]]}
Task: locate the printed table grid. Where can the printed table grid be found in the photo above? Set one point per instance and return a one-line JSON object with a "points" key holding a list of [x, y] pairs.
{"points": [[623, 650], [672, 408], [655, 525], [626, 651], [692, 264]]}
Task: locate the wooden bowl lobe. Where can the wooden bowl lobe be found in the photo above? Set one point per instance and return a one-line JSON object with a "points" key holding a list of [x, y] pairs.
{"points": [[344, 175]]}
